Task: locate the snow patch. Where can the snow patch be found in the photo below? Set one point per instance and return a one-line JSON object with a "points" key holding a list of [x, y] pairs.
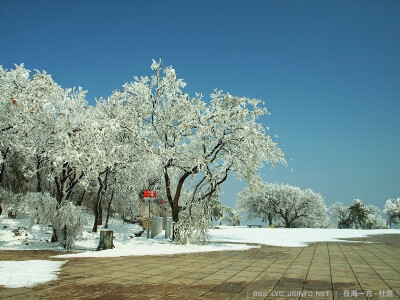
{"points": [[15, 274]]}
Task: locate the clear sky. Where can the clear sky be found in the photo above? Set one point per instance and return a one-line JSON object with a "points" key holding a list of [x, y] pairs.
{"points": [[328, 70]]}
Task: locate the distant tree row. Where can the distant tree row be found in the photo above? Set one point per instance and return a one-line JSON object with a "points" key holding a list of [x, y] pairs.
{"points": [[357, 215], [289, 206]]}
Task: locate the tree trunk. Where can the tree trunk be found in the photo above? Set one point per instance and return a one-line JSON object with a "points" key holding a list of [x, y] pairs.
{"points": [[3, 164], [60, 182], [38, 174], [96, 211], [54, 237], [173, 202], [269, 219], [2, 169], [109, 208], [64, 231], [79, 203], [175, 213], [100, 221], [97, 203]]}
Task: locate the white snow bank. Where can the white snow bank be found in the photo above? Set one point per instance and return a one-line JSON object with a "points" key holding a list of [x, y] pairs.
{"points": [[16, 235], [143, 246], [15, 274], [293, 237]]}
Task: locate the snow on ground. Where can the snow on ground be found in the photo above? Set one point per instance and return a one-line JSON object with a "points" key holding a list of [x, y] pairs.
{"points": [[158, 246], [15, 274], [123, 233], [14, 234], [293, 237]]}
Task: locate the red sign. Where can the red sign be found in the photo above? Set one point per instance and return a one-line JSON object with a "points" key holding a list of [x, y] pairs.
{"points": [[149, 194]]}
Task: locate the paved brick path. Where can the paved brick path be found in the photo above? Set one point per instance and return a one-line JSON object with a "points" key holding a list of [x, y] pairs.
{"points": [[319, 271]]}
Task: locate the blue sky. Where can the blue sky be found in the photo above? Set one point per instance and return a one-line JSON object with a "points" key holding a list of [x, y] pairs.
{"points": [[328, 70]]}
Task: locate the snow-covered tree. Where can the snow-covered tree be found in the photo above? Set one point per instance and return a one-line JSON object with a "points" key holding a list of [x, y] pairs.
{"points": [[44, 123], [392, 210], [42, 120], [375, 219], [12, 85], [194, 143], [341, 213], [257, 204], [217, 210], [357, 215], [123, 194], [11, 202], [116, 153], [195, 219], [232, 217], [296, 208], [67, 219], [191, 145], [318, 217]]}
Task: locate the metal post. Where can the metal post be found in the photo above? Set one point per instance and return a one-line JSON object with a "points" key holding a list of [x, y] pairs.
{"points": [[173, 231], [148, 222], [168, 227]]}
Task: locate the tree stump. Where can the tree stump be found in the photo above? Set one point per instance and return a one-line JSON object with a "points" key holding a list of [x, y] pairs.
{"points": [[106, 240]]}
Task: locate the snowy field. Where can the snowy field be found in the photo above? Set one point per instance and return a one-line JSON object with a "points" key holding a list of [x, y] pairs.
{"points": [[15, 235], [294, 237]]}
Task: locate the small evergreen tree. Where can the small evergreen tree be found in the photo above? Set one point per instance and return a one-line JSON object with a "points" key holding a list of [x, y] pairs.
{"points": [[359, 214]]}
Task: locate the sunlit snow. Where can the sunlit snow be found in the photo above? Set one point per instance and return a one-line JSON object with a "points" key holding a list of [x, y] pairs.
{"points": [[293, 237], [225, 238], [142, 246], [14, 274]]}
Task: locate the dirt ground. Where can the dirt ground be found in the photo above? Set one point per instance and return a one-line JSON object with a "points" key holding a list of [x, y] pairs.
{"points": [[369, 269]]}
